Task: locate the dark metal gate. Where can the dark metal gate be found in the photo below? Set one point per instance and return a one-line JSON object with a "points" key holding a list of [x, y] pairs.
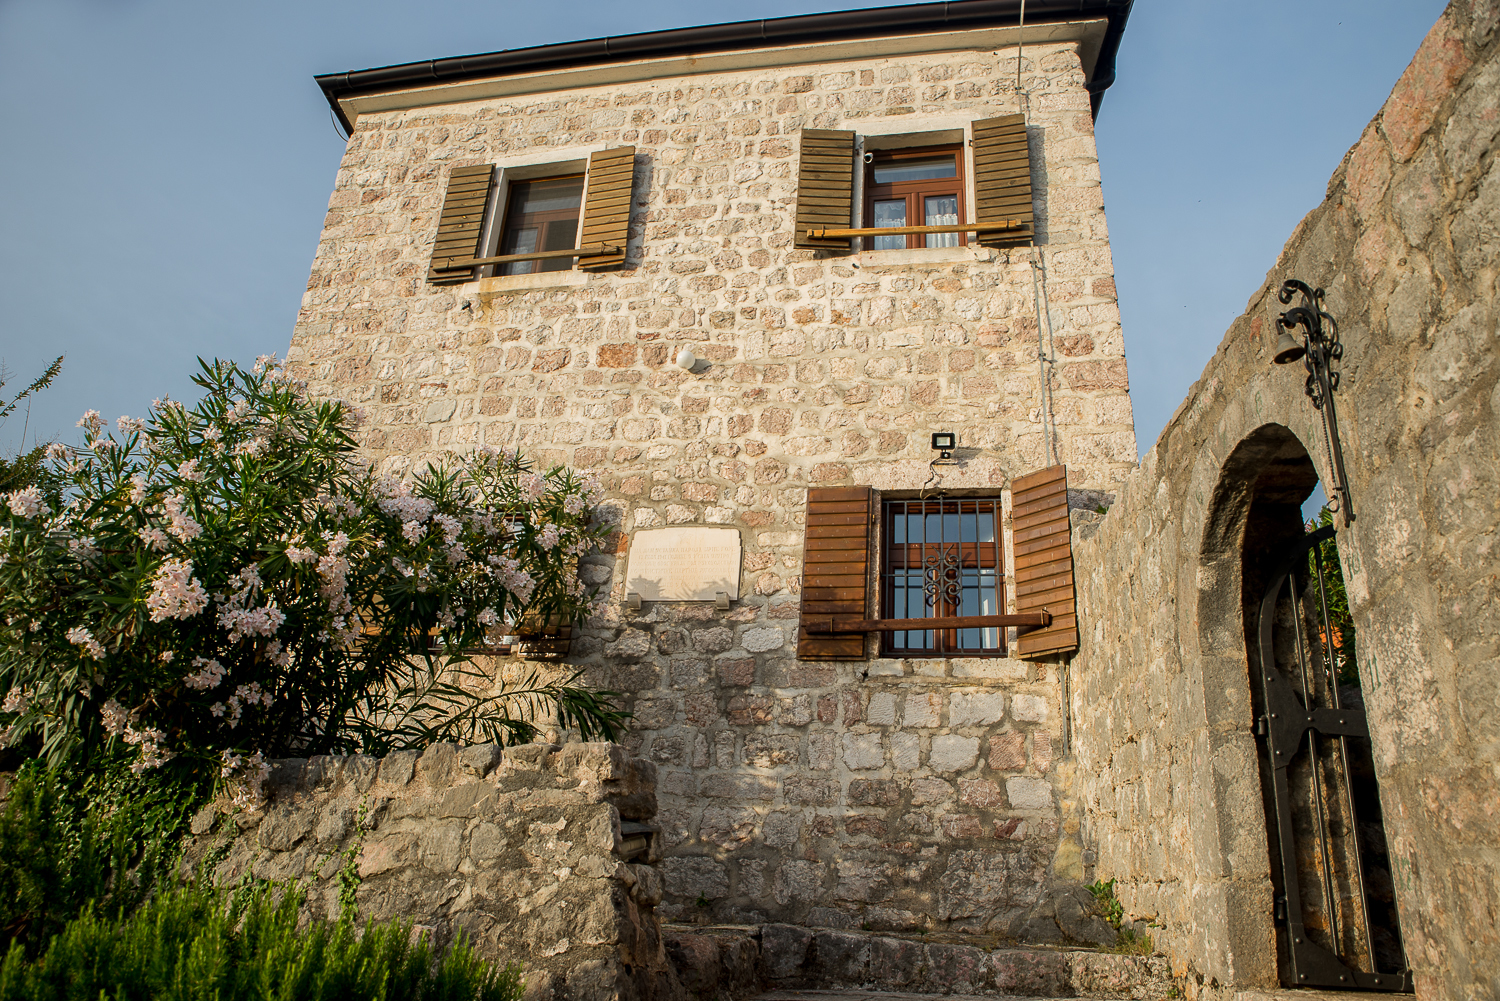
{"points": [[1335, 903]]}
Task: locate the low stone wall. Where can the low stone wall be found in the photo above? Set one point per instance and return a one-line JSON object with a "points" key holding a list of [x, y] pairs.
{"points": [[519, 850]]}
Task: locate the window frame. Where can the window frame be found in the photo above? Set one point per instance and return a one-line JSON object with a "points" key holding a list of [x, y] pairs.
{"points": [[498, 208], [946, 643], [915, 192]]}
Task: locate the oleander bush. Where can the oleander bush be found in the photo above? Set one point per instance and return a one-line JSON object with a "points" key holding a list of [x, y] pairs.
{"points": [[195, 942], [225, 583]]}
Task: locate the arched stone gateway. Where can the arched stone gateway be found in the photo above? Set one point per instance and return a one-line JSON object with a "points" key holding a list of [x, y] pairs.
{"points": [[1171, 581]]}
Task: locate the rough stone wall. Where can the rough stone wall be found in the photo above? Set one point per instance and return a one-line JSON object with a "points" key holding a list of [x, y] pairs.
{"points": [[520, 850], [1406, 245], [896, 794]]}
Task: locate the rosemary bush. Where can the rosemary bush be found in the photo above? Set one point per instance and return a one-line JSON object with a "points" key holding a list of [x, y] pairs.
{"points": [[192, 942], [226, 583]]}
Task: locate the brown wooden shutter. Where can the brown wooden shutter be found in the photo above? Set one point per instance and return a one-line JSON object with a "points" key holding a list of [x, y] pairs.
{"points": [[825, 186], [606, 210], [461, 222], [1043, 540], [835, 569], [1002, 178]]}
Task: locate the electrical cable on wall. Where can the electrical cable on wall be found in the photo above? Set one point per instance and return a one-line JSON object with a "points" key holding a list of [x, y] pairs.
{"points": [[1045, 348]]}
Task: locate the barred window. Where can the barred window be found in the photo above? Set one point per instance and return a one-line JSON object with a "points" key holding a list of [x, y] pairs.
{"points": [[943, 558]]}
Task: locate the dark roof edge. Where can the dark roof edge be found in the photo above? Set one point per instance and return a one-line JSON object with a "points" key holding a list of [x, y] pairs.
{"points": [[838, 25]]}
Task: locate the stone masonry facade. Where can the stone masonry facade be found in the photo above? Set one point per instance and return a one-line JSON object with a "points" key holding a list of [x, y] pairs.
{"points": [[893, 794], [1407, 244]]}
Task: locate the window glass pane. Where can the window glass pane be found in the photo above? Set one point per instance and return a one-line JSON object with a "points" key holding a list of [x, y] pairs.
{"points": [[925, 169], [541, 215], [520, 241], [890, 213], [556, 194], [941, 210]]}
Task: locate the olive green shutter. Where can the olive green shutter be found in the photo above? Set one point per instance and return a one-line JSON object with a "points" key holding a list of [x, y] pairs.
{"points": [[461, 222], [1002, 178], [1043, 539], [835, 569], [606, 209], [825, 186]]}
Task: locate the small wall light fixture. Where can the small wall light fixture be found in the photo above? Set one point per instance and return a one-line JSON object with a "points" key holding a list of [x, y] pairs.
{"points": [[686, 359], [944, 442], [1318, 349]]}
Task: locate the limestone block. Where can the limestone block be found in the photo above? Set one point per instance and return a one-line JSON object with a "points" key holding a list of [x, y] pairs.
{"points": [[882, 709], [952, 753], [1028, 708], [976, 708], [863, 751], [694, 877], [906, 750]]}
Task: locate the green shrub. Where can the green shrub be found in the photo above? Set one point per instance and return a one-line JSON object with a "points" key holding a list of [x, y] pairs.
{"points": [[191, 942], [68, 843]]}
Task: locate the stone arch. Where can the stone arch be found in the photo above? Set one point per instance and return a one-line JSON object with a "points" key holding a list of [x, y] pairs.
{"points": [[1254, 508]]}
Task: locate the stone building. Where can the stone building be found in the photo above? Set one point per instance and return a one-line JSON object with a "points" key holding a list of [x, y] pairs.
{"points": [[728, 347], [894, 790]]}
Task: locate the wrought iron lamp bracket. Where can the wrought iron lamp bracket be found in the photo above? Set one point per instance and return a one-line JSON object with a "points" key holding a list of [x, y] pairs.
{"points": [[1319, 350]]}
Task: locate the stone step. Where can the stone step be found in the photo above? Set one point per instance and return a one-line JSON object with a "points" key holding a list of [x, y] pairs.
{"points": [[740, 960]]}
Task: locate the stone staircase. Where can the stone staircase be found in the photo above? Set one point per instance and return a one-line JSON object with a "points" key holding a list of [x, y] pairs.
{"points": [[806, 963]]}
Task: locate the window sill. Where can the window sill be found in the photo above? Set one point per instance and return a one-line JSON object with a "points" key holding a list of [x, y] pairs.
{"points": [[923, 255], [533, 283]]}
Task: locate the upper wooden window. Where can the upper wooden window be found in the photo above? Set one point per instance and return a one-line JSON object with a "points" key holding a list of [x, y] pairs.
{"points": [[920, 186], [541, 214], [943, 558]]}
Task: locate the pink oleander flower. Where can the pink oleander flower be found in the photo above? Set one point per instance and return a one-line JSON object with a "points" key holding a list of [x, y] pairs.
{"points": [[17, 700], [155, 539], [92, 423], [137, 488], [182, 525], [80, 636], [209, 674], [175, 592], [27, 503], [247, 779], [189, 471], [254, 448], [153, 755], [242, 622], [451, 527], [114, 718]]}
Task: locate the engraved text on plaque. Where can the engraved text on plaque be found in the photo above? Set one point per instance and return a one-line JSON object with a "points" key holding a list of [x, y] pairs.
{"points": [[684, 564]]}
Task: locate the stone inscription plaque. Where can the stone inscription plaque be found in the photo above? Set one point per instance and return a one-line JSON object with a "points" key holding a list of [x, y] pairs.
{"points": [[684, 564]]}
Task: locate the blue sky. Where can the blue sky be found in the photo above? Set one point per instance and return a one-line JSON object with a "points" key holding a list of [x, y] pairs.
{"points": [[167, 165]]}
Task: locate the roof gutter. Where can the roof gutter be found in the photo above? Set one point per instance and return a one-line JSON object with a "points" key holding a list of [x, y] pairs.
{"points": [[836, 26]]}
